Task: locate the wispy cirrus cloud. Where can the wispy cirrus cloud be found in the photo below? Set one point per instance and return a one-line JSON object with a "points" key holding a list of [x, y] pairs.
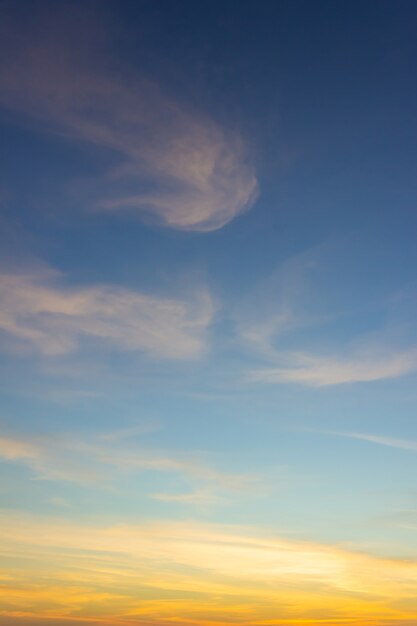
{"points": [[321, 371], [272, 325], [172, 162], [200, 497], [277, 306], [94, 461], [39, 312], [390, 442], [288, 306]]}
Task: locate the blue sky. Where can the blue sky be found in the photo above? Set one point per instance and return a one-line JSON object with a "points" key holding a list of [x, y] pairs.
{"points": [[207, 312]]}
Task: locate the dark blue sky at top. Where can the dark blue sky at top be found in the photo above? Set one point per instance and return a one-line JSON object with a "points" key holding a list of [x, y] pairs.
{"points": [[325, 94]]}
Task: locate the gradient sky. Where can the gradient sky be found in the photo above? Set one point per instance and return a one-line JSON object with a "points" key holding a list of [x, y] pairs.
{"points": [[208, 295]]}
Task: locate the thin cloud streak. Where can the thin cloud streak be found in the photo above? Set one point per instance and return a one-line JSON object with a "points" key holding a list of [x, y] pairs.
{"points": [[39, 313], [391, 442], [287, 303], [173, 162], [94, 462], [321, 371], [200, 497]]}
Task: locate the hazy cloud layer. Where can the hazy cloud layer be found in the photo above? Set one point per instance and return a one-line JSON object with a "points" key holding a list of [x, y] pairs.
{"points": [[198, 574], [173, 162], [39, 313]]}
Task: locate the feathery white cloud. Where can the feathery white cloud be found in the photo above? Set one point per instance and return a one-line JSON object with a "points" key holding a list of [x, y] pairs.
{"points": [[320, 371], [51, 319], [173, 162], [201, 497], [391, 442], [93, 462]]}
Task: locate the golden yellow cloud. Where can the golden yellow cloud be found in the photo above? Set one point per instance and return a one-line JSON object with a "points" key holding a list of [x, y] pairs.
{"points": [[190, 573]]}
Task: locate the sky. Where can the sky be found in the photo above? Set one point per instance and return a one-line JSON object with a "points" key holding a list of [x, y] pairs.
{"points": [[208, 295]]}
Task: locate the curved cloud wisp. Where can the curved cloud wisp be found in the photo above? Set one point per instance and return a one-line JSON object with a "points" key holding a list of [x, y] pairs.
{"points": [[172, 163], [319, 371]]}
